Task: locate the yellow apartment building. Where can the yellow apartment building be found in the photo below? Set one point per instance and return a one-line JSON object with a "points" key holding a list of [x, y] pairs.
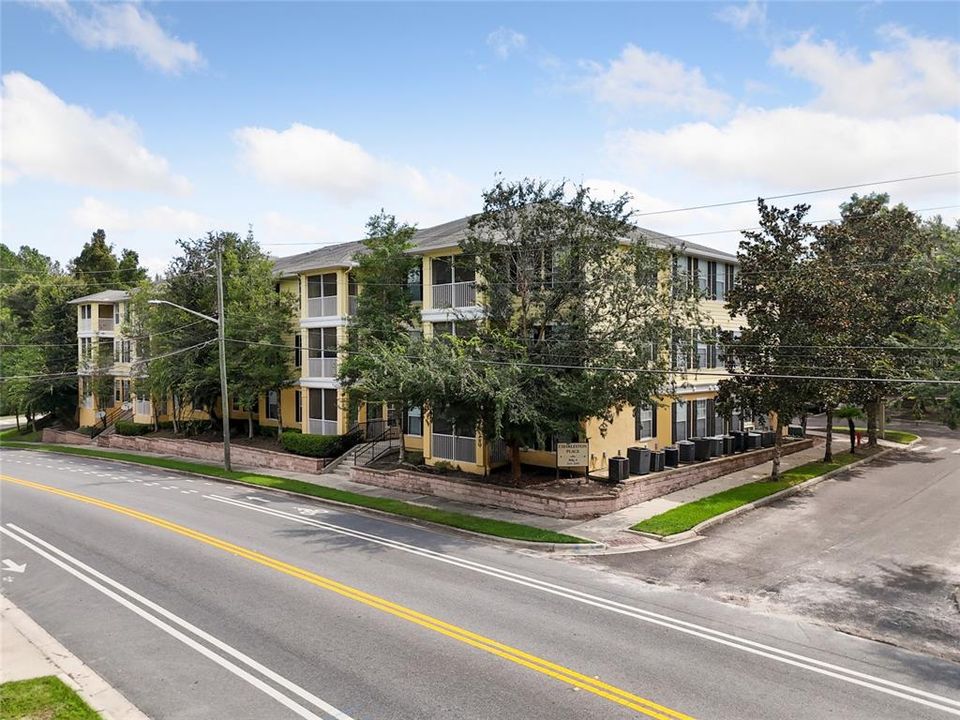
{"points": [[446, 297]]}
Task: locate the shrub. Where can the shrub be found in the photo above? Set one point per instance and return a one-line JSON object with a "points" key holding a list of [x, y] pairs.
{"points": [[126, 427], [88, 430], [322, 446]]}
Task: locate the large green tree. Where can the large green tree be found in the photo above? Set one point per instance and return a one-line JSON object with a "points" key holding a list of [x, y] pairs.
{"points": [[773, 297], [99, 268], [174, 358], [575, 319], [385, 274]]}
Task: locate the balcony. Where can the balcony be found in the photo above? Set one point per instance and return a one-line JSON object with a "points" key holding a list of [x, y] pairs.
{"points": [[322, 306], [454, 447], [143, 407], [105, 324], [456, 295], [352, 305], [85, 325], [322, 367], [87, 402], [322, 427]]}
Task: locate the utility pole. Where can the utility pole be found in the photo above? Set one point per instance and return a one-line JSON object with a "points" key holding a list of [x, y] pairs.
{"points": [[221, 337]]}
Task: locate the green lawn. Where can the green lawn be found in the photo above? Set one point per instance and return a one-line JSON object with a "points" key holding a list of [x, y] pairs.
{"points": [[897, 436], [485, 526], [21, 435], [684, 517], [44, 698]]}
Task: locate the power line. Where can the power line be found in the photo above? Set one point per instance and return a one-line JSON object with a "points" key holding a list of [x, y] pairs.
{"points": [[724, 374], [797, 194]]}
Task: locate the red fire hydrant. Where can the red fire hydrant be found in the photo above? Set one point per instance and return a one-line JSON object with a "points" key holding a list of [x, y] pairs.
{"points": [[859, 437]]}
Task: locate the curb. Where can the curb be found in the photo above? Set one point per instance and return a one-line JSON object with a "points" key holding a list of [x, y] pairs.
{"points": [[95, 691], [546, 547], [695, 531]]}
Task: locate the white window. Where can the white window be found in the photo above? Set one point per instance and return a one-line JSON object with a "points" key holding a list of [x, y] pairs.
{"points": [[700, 421], [414, 421], [680, 420], [273, 405], [645, 427]]}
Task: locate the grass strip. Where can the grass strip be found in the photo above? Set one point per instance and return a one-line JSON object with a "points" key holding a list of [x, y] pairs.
{"points": [[47, 697], [484, 526], [683, 517], [20, 435], [897, 436]]}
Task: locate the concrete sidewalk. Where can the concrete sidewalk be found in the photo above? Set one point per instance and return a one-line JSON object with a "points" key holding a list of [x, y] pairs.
{"points": [[28, 651]]}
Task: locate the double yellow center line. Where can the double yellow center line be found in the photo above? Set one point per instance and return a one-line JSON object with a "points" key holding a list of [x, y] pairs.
{"points": [[514, 655]]}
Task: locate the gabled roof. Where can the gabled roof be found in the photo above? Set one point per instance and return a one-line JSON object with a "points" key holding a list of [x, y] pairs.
{"points": [[104, 296]]}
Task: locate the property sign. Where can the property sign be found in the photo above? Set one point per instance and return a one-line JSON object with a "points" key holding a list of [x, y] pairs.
{"points": [[572, 455]]}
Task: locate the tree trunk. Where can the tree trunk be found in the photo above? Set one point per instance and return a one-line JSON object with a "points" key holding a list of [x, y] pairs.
{"points": [[871, 408], [249, 424], [17, 412], [828, 449], [514, 446], [777, 444], [803, 422], [853, 436]]}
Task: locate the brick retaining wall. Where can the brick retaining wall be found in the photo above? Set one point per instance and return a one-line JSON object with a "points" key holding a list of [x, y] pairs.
{"points": [[240, 454], [67, 437], [554, 504]]}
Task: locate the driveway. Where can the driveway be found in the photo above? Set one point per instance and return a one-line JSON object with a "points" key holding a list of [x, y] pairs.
{"points": [[874, 552]]}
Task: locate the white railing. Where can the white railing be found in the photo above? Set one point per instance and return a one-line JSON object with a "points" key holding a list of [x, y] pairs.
{"points": [[144, 407], [454, 447], [85, 325], [322, 306], [88, 402], [460, 294], [352, 305], [322, 367], [105, 324], [322, 427]]}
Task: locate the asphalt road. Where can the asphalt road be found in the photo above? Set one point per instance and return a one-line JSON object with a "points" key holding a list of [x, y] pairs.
{"points": [[202, 599], [874, 551]]}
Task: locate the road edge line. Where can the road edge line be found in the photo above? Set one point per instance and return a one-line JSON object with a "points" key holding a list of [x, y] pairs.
{"points": [[102, 697]]}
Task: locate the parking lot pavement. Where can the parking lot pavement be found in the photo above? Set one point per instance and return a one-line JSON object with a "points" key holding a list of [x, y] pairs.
{"points": [[874, 552]]}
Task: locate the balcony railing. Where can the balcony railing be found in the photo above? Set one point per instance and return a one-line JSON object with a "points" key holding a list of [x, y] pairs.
{"points": [[454, 447], [322, 306], [460, 294], [143, 407], [105, 324], [322, 427], [88, 402], [85, 325], [322, 367], [497, 450], [352, 305]]}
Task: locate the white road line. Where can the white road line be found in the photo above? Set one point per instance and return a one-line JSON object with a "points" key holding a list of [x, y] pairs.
{"points": [[303, 712], [956, 452], [915, 448], [839, 672], [939, 449]]}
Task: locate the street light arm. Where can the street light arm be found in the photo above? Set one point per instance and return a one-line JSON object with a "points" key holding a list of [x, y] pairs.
{"points": [[185, 309]]}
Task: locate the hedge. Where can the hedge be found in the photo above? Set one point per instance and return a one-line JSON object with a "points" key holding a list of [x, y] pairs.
{"points": [[128, 427], [321, 446]]}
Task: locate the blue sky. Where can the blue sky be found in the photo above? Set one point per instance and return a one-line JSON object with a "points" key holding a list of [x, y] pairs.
{"points": [[163, 120]]}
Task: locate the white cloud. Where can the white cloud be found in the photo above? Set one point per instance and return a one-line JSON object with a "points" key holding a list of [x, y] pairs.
{"points": [[505, 41], [310, 158], [279, 228], [124, 26], [93, 213], [912, 75], [313, 159], [47, 138], [650, 80], [742, 17], [794, 148]]}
